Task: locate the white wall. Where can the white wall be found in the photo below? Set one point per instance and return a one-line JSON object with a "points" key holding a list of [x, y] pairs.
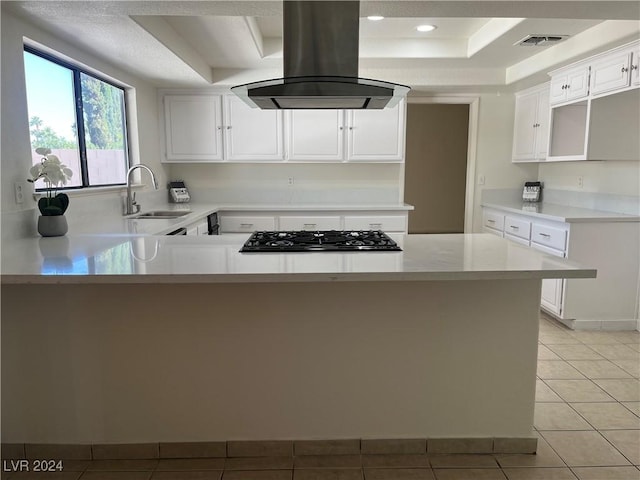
{"points": [[312, 183], [493, 157], [612, 177], [15, 157]]}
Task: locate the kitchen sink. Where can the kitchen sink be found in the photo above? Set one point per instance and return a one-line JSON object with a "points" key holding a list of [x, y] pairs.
{"points": [[164, 214]]}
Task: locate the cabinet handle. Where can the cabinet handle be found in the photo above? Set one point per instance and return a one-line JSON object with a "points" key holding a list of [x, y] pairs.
{"points": [[341, 128], [545, 235], [514, 227], [375, 225], [624, 70], [311, 225], [219, 128], [246, 225], [491, 221], [229, 127], [634, 67]]}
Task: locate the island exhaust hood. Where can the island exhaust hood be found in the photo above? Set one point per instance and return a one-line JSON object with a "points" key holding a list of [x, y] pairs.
{"points": [[320, 41]]}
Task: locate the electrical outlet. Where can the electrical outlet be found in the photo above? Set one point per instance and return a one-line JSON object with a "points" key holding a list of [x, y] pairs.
{"points": [[18, 189], [580, 181], [291, 181], [481, 180]]}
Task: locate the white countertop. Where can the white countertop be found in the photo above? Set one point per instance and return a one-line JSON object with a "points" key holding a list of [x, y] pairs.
{"points": [[119, 259], [561, 213], [115, 224]]}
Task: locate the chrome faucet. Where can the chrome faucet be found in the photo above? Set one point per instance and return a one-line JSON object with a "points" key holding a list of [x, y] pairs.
{"points": [[130, 205]]}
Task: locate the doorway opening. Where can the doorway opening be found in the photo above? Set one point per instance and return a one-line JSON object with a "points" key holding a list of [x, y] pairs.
{"points": [[440, 164]]}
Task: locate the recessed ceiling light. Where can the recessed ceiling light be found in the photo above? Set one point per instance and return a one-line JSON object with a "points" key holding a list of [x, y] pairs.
{"points": [[375, 18], [425, 28]]}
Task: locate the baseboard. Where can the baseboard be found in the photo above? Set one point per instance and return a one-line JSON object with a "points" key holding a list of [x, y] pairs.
{"points": [[607, 325], [275, 448]]}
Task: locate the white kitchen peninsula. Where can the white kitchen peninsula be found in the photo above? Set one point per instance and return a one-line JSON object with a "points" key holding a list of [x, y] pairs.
{"points": [[131, 339]]}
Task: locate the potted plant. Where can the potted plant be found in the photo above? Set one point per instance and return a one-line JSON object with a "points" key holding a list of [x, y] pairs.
{"points": [[52, 222]]}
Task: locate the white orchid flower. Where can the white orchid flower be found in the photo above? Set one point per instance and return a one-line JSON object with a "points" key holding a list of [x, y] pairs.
{"points": [[51, 169]]}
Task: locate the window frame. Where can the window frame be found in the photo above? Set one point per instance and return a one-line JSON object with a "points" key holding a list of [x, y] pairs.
{"points": [[79, 115]]}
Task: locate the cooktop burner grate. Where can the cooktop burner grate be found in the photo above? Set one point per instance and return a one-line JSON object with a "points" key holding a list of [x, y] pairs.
{"points": [[321, 240]]}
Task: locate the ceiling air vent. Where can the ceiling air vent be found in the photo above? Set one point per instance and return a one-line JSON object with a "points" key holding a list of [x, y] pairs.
{"points": [[541, 40]]}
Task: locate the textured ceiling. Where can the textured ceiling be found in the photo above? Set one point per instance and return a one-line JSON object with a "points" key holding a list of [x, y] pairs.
{"points": [[199, 43]]}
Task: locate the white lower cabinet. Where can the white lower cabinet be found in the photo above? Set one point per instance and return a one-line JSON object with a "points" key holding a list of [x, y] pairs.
{"points": [[610, 247], [199, 228], [518, 228], [319, 222], [552, 288], [238, 222], [246, 223], [386, 223], [548, 237]]}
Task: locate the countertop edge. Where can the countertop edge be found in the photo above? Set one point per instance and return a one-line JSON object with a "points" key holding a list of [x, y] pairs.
{"points": [[606, 216], [29, 279]]}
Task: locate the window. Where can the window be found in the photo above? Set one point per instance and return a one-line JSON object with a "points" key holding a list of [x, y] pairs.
{"points": [[80, 117]]}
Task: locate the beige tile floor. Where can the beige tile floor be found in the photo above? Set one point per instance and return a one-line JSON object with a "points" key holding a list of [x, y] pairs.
{"points": [[587, 419]]}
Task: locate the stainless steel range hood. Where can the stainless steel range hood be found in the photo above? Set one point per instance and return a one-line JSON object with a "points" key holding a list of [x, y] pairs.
{"points": [[321, 63]]}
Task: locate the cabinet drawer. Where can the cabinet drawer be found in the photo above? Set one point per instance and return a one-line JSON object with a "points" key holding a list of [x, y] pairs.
{"points": [[310, 223], [386, 223], [548, 250], [493, 220], [229, 223], [549, 236], [517, 227]]}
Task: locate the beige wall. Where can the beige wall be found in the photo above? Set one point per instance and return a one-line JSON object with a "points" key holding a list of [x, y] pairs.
{"points": [[436, 167], [266, 361]]}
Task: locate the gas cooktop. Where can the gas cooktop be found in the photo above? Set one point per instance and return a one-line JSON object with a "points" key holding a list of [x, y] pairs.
{"points": [[322, 240]]}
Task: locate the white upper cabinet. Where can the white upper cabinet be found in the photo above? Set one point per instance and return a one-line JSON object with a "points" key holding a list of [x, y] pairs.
{"points": [[635, 66], [315, 135], [602, 123], [376, 135], [251, 133], [208, 127], [569, 85], [193, 128], [611, 73], [531, 125]]}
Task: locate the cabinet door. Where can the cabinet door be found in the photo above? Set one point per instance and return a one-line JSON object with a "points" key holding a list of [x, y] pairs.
{"points": [[542, 126], [635, 67], [377, 135], [558, 92], [551, 295], [570, 85], [193, 128], [524, 131], [552, 288], [251, 133], [611, 73], [578, 82], [315, 135]]}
